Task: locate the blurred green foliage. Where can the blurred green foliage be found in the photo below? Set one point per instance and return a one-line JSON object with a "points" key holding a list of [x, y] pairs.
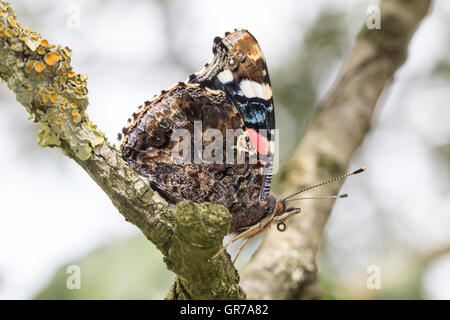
{"points": [[126, 269]]}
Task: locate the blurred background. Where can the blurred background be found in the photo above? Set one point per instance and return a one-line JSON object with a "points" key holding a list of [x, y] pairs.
{"points": [[397, 218]]}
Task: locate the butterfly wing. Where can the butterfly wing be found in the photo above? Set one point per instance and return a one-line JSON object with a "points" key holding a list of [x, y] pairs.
{"points": [[239, 69]]}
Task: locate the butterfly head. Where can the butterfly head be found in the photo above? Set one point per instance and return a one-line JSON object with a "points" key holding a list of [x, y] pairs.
{"points": [[282, 213]]}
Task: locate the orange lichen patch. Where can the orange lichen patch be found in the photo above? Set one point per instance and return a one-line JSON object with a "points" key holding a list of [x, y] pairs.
{"points": [[45, 43], [66, 106], [40, 51], [71, 74], [29, 66], [63, 115], [2, 33], [45, 98], [74, 113], [63, 100], [53, 97], [74, 106], [51, 58], [16, 32], [11, 21], [38, 66], [47, 68], [8, 32], [4, 7], [76, 119], [63, 80], [58, 122], [33, 42], [1, 26]]}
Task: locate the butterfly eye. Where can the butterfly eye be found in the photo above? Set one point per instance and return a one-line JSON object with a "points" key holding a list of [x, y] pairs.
{"points": [[241, 57], [280, 208], [231, 62]]}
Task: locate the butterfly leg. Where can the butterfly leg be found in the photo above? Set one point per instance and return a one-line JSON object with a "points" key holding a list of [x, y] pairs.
{"points": [[225, 246], [247, 234], [240, 248]]}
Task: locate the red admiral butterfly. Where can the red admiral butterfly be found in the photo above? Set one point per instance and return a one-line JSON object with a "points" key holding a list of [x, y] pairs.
{"points": [[232, 92]]}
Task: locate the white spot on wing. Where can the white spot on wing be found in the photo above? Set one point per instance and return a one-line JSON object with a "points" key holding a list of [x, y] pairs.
{"points": [[225, 76], [253, 89]]}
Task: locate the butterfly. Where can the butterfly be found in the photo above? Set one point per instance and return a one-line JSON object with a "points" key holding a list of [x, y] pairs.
{"points": [[232, 93]]}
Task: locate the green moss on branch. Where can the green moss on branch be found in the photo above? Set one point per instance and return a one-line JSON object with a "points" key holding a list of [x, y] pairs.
{"points": [[199, 230]]}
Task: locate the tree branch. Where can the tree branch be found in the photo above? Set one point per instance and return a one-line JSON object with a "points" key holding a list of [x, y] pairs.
{"points": [[43, 81], [284, 266]]}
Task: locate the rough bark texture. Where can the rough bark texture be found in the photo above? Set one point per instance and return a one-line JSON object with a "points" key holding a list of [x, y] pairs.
{"points": [[41, 77], [284, 266]]}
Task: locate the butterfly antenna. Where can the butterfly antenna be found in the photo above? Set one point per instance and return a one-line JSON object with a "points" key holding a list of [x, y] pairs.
{"points": [[344, 195], [325, 182]]}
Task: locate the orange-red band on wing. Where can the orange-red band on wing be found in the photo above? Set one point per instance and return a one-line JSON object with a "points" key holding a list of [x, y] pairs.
{"points": [[259, 142]]}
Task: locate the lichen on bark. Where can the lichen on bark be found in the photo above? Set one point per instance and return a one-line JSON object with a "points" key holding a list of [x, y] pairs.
{"points": [[198, 233], [42, 78]]}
